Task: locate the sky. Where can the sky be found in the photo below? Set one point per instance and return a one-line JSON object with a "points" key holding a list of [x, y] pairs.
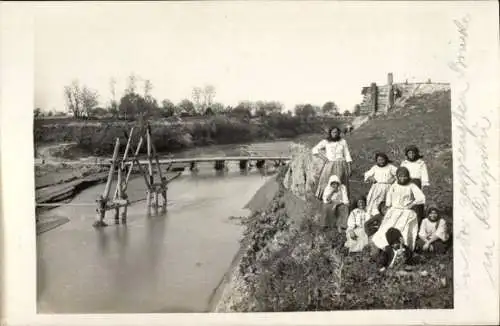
{"points": [[293, 52]]}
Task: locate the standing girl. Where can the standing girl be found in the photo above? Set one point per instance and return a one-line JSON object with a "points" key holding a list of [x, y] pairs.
{"points": [[335, 204], [401, 197], [335, 151], [355, 233], [383, 175], [418, 174]]}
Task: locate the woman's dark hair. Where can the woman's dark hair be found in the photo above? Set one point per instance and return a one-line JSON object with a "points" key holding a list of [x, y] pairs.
{"points": [[415, 150], [431, 209], [363, 198], [393, 235], [329, 136], [403, 170], [383, 155]]}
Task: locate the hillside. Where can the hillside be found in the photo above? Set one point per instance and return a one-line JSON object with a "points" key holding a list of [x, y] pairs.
{"points": [[290, 264]]}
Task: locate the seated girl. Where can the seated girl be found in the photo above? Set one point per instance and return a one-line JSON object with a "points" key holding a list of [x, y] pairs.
{"points": [[433, 235], [335, 200], [396, 254], [355, 234], [372, 224], [401, 198]]}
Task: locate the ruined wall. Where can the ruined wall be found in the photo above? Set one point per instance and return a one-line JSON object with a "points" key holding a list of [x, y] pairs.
{"points": [[381, 98]]}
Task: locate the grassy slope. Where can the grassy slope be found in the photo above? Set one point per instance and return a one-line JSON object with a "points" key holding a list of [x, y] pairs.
{"points": [[289, 269]]}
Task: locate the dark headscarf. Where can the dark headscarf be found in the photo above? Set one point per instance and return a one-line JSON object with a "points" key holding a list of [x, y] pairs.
{"points": [[384, 155], [415, 150], [403, 170], [393, 235], [329, 136]]}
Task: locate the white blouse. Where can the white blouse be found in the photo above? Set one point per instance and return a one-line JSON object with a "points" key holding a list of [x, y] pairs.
{"points": [[401, 197], [428, 229], [339, 196], [334, 151], [356, 219], [418, 170], [386, 174]]}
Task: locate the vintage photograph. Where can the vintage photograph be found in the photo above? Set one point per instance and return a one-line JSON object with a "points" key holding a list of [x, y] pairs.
{"points": [[242, 157]]}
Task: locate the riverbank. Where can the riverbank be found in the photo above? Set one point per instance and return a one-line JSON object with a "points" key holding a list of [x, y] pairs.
{"points": [[291, 264], [98, 138]]}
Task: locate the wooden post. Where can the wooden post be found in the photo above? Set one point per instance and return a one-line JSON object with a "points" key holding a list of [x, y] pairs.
{"points": [[105, 194], [164, 193], [133, 161], [125, 155], [124, 213], [148, 203], [156, 201], [150, 163], [101, 212]]}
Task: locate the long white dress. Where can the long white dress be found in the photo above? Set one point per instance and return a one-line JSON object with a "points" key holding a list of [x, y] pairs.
{"points": [[355, 223], [400, 199], [385, 177]]}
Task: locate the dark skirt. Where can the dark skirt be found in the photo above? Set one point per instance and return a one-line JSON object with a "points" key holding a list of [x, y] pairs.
{"points": [[335, 215], [439, 246], [372, 225], [419, 209]]}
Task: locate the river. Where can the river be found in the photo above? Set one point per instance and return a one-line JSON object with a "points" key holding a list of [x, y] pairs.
{"points": [[167, 263]]}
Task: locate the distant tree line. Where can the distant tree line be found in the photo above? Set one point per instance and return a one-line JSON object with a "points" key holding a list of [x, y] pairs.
{"points": [[82, 103]]}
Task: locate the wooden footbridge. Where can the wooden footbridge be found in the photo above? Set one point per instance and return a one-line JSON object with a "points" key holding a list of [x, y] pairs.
{"points": [[151, 170]]}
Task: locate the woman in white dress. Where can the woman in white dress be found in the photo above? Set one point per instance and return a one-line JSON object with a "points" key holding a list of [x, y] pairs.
{"points": [[418, 174], [335, 204], [401, 198], [335, 151], [382, 175]]}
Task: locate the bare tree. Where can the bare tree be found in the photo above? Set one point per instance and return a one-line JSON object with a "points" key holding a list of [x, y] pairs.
{"points": [[131, 84], [208, 95], [196, 96], [72, 95], [148, 86], [89, 100], [114, 105]]}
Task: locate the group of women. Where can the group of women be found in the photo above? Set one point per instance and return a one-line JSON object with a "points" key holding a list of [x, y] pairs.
{"points": [[391, 217]]}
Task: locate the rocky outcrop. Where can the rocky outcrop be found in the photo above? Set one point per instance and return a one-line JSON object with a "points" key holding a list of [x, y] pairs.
{"points": [[303, 172]]}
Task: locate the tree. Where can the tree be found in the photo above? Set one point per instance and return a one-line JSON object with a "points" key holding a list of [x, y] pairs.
{"points": [[268, 108], [218, 108], [72, 97], [208, 95], [80, 101], [305, 111], [186, 107], [347, 113], [37, 113], [329, 108], [131, 84], [113, 109], [196, 95], [89, 100], [167, 108], [243, 110]]}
